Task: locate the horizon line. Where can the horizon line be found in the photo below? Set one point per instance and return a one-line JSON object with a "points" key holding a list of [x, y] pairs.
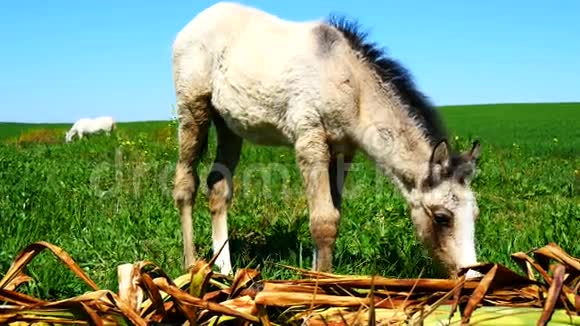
{"points": [[436, 106]]}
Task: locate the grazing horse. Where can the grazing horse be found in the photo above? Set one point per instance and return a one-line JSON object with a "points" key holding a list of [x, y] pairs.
{"points": [[88, 126], [320, 88]]}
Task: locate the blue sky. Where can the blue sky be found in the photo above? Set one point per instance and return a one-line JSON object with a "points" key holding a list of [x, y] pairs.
{"points": [[61, 60]]}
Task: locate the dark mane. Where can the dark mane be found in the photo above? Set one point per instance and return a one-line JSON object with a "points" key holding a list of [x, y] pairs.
{"points": [[393, 73]]}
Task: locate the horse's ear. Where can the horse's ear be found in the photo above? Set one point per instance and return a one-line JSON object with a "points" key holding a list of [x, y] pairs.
{"points": [[441, 154], [439, 162], [475, 151], [465, 171]]}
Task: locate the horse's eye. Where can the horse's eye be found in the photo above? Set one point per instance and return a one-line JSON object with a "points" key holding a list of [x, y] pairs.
{"points": [[442, 219]]}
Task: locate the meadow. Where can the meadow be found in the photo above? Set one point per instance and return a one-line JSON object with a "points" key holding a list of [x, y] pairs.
{"points": [[107, 201]]}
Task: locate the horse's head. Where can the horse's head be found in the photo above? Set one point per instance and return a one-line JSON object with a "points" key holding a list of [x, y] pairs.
{"points": [[444, 207], [68, 136]]}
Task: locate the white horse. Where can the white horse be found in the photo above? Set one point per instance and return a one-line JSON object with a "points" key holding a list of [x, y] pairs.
{"points": [[87, 126], [320, 88]]}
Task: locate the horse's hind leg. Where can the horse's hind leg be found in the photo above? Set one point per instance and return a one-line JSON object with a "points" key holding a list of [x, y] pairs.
{"points": [[220, 185], [314, 159], [338, 170], [193, 117]]}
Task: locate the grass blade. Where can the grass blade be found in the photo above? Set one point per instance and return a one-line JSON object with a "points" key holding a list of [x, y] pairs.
{"points": [[31, 251], [553, 295], [478, 294]]}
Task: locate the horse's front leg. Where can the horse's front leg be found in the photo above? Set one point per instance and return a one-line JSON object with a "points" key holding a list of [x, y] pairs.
{"points": [[313, 157]]}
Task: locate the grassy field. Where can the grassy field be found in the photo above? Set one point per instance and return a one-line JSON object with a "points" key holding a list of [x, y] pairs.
{"points": [[107, 201]]}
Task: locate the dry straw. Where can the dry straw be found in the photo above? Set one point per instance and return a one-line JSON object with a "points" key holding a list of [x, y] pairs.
{"points": [[547, 293]]}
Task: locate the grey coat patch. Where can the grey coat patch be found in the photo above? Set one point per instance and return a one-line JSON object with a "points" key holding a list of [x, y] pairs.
{"points": [[393, 74], [326, 37]]}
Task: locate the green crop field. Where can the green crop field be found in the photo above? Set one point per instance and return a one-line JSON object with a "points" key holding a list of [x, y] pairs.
{"points": [[107, 201]]}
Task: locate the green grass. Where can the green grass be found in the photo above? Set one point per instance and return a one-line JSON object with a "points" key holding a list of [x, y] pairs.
{"points": [[107, 201], [12, 129]]}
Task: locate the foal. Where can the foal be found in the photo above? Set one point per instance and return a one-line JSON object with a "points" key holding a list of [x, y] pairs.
{"points": [[322, 89]]}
